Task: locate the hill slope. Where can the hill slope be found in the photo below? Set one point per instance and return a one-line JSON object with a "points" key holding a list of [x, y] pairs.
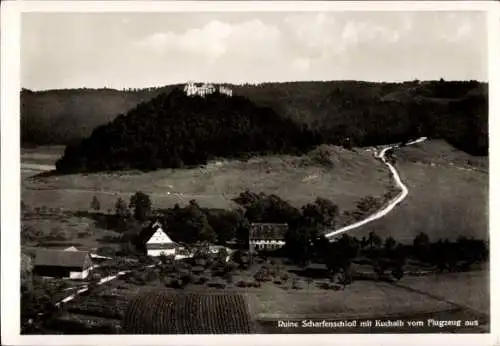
{"points": [[366, 113], [174, 130]]}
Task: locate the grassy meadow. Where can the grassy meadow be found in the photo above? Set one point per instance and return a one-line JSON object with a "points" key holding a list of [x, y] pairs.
{"points": [[448, 195], [296, 179]]}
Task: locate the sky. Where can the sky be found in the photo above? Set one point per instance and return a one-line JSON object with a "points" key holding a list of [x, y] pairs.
{"points": [[123, 50]]}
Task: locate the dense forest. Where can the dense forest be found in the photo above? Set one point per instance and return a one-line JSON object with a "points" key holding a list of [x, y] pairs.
{"points": [[346, 113], [176, 130]]}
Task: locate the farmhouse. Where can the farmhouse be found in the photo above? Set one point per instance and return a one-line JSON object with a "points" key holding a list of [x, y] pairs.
{"points": [[267, 236], [157, 241], [61, 263]]}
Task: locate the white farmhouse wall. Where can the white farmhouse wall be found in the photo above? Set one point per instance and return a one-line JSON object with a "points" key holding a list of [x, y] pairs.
{"points": [[267, 244], [159, 252], [79, 275]]}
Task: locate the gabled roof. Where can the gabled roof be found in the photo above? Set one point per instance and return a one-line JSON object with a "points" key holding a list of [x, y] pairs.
{"points": [[268, 231], [61, 258], [148, 232]]}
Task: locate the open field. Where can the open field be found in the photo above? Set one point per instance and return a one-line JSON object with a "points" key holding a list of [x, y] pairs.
{"points": [[469, 289], [295, 179], [448, 195], [81, 232]]}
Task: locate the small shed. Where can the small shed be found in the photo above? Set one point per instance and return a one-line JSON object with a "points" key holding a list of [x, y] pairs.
{"points": [[62, 264]]}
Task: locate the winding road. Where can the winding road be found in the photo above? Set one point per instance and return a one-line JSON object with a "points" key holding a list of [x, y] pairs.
{"points": [[383, 212]]}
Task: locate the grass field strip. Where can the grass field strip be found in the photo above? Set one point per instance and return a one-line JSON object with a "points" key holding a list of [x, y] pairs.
{"points": [[386, 210]]}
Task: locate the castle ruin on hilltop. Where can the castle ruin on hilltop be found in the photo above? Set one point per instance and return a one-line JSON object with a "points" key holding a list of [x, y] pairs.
{"points": [[191, 89]]}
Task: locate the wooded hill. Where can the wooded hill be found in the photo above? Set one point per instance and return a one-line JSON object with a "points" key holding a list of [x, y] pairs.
{"points": [[176, 130], [344, 112]]}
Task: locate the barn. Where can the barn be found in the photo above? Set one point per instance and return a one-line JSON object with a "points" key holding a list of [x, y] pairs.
{"points": [[267, 236], [62, 264]]}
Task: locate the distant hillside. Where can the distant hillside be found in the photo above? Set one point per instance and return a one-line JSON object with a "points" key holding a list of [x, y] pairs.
{"points": [[173, 130], [66, 116], [345, 112]]}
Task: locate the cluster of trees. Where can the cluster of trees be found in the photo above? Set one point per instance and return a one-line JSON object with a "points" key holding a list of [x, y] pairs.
{"points": [[305, 241], [189, 224], [174, 130], [192, 224], [448, 255], [344, 112], [37, 295], [203, 267]]}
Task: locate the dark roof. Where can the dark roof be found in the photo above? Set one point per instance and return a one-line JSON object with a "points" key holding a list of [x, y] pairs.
{"points": [[61, 258], [268, 231], [174, 312]]}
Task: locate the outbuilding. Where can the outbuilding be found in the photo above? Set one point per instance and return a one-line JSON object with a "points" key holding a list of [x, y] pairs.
{"points": [[62, 264], [267, 236]]}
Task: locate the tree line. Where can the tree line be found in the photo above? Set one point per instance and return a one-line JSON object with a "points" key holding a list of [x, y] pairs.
{"points": [[304, 240]]}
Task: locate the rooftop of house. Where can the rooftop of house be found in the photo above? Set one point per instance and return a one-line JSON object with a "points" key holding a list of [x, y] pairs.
{"points": [[148, 231], [61, 258], [268, 231]]}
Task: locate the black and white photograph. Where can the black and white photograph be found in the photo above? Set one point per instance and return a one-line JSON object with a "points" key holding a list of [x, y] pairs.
{"points": [[304, 170]]}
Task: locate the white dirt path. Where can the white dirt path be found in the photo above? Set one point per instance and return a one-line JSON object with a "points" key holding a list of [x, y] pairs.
{"points": [[387, 209]]}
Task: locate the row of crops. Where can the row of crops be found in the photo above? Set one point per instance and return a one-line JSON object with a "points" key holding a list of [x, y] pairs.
{"points": [[187, 313]]}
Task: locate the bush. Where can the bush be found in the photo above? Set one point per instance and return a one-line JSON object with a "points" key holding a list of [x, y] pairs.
{"points": [[296, 284], [231, 265], [178, 283], [242, 283], [217, 284], [106, 251], [151, 275], [228, 277], [203, 279], [29, 233], [195, 279], [94, 279], [145, 259], [197, 269]]}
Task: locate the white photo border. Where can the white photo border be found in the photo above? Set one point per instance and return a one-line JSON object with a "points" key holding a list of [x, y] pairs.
{"points": [[10, 169]]}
